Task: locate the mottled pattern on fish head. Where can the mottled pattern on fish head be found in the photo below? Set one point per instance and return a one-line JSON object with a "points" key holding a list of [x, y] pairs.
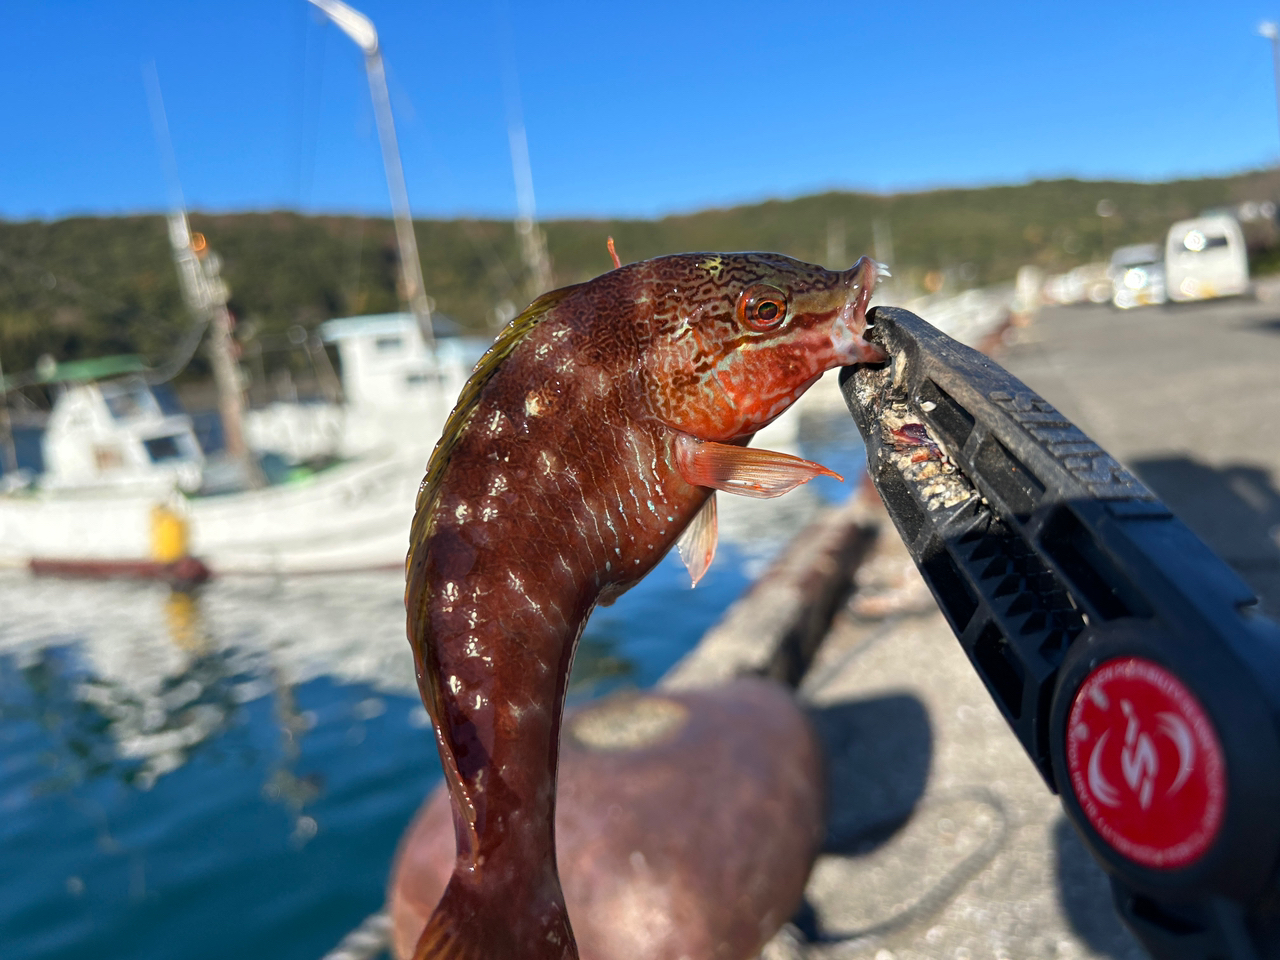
{"points": [[736, 338]]}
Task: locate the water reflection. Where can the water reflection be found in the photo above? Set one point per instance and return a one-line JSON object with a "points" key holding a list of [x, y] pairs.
{"points": [[39, 691], [253, 749], [157, 719], [136, 677], [285, 786]]}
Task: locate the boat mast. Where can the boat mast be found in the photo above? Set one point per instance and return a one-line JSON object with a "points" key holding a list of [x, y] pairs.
{"points": [[360, 29], [6, 430], [533, 242], [205, 292], [199, 270]]}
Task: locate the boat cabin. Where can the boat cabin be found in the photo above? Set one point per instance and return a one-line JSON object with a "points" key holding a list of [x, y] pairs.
{"points": [[397, 390], [118, 432], [386, 363]]}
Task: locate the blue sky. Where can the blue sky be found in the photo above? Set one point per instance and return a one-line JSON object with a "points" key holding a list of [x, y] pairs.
{"points": [[631, 109]]}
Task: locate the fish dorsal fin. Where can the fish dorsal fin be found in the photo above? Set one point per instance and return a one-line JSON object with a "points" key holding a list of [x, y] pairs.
{"points": [[697, 545], [510, 338]]}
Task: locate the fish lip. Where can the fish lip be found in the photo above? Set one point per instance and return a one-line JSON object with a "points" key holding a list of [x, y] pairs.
{"points": [[862, 278]]}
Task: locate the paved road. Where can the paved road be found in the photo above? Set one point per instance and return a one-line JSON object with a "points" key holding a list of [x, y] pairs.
{"points": [[943, 840], [1187, 397]]}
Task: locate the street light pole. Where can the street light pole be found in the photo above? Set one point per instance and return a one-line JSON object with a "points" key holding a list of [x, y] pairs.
{"points": [[1271, 31], [361, 29]]}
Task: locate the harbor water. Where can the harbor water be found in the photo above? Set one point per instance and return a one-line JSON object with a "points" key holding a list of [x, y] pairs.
{"points": [[227, 773]]}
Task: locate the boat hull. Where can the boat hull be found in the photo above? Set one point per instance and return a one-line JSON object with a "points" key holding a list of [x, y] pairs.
{"points": [[186, 572], [354, 516]]}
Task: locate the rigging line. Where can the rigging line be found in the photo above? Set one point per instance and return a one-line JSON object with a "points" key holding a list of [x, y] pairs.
{"points": [[315, 46], [161, 373], [357, 247], [533, 244], [299, 50], [182, 354], [495, 265], [483, 247], [164, 143]]}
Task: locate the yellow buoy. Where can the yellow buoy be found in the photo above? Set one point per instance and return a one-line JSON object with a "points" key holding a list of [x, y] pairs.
{"points": [[168, 534]]}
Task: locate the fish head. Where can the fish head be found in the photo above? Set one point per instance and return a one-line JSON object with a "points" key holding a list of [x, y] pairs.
{"points": [[738, 337]]}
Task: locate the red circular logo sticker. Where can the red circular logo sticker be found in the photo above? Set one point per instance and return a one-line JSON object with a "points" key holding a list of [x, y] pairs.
{"points": [[1145, 763]]}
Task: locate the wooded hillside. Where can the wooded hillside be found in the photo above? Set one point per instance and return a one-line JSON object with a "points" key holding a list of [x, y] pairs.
{"points": [[85, 286]]}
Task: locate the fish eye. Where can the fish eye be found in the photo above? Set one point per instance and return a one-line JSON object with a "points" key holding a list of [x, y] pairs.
{"points": [[762, 307]]}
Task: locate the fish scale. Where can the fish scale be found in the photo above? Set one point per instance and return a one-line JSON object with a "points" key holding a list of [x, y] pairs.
{"points": [[594, 431]]}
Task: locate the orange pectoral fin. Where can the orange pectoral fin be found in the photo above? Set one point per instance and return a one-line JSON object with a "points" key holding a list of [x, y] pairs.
{"points": [[749, 473]]}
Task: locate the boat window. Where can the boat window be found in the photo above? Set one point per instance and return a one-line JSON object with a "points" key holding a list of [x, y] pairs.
{"points": [[417, 379], [130, 402], [160, 449], [170, 405], [1198, 242], [1137, 254], [390, 344]]}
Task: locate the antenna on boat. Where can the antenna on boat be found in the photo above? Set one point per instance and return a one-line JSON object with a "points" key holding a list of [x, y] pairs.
{"points": [[361, 29], [533, 242], [205, 292]]}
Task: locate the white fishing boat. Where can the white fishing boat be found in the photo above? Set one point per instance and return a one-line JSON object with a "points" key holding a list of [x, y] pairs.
{"points": [[124, 470], [115, 450], [391, 378]]}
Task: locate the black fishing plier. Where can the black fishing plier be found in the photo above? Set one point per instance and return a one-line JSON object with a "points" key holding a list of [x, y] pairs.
{"points": [[1128, 658]]}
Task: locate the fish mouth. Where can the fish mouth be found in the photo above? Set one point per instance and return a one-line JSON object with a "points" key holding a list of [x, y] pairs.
{"points": [[850, 338]]}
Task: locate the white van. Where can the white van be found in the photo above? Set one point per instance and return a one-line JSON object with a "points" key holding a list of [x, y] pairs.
{"points": [[1204, 258]]}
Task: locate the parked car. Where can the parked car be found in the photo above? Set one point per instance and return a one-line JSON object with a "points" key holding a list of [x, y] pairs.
{"points": [[1137, 276], [1087, 283]]}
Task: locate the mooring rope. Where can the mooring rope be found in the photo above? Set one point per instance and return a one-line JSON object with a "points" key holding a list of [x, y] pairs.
{"points": [[366, 941]]}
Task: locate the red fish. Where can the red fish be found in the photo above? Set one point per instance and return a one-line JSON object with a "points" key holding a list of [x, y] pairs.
{"points": [[593, 433]]}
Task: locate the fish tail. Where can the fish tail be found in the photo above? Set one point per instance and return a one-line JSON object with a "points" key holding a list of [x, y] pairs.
{"points": [[466, 925]]}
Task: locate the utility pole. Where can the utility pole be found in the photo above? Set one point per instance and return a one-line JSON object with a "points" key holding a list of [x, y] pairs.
{"points": [[361, 30]]}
